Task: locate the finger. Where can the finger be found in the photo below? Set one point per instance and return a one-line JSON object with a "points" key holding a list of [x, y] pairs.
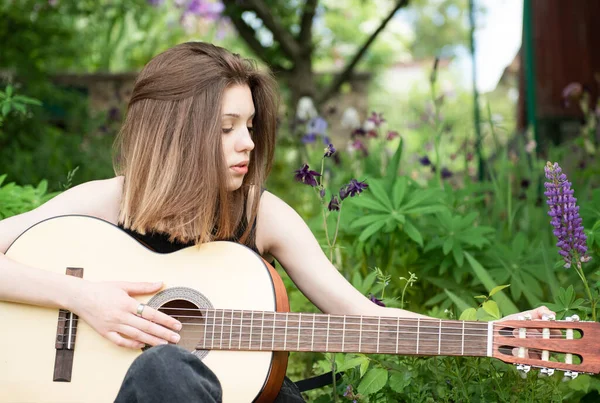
{"points": [[155, 316], [123, 342], [152, 329], [138, 335], [139, 288]]}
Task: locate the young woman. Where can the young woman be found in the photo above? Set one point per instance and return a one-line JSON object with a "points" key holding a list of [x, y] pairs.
{"points": [[191, 160]]}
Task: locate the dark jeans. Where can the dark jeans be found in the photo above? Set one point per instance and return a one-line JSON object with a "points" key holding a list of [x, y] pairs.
{"points": [[171, 374]]}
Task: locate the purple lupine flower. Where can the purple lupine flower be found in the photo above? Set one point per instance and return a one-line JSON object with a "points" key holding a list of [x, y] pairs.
{"points": [[343, 193], [206, 9], [309, 138], [375, 300], [306, 176], [329, 151], [376, 118], [565, 217], [354, 188], [348, 391], [334, 204]]}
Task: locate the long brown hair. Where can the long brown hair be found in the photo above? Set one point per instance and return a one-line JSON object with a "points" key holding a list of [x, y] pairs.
{"points": [[169, 147]]}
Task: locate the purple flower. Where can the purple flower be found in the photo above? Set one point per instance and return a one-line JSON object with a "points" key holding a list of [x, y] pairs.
{"points": [[306, 176], [204, 8], [375, 300], [425, 161], [446, 173], [354, 188], [329, 151], [334, 204], [322, 193], [343, 193], [392, 135], [156, 3], [360, 146], [348, 391], [376, 118], [317, 125], [565, 217], [309, 138], [358, 132]]}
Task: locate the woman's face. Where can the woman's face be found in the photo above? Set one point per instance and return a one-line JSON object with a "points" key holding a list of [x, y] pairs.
{"points": [[236, 129]]}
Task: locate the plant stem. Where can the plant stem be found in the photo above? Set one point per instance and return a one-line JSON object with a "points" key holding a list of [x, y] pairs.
{"points": [[337, 227], [593, 302], [333, 383]]}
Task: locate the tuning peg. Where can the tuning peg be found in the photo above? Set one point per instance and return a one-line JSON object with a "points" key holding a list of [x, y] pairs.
{"points": [[573, 318], [548, 317], [570, 375], [527, 316], [523, 370], [547, 371]]}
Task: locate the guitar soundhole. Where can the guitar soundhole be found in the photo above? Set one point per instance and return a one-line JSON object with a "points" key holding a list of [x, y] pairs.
{"points": [[192, 320]]}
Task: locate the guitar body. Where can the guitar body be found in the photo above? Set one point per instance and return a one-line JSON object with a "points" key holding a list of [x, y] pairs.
{"points": [[220, 275]]}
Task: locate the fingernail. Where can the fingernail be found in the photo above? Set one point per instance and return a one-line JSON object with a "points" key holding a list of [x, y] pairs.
{"points": [[175, 338], [177, 326]]}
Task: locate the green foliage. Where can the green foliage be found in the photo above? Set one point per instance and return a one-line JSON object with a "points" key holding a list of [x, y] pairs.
{"points": [[15, 199]]}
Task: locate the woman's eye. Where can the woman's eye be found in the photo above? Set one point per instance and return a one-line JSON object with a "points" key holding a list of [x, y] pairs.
{"points": [[227, 129]]}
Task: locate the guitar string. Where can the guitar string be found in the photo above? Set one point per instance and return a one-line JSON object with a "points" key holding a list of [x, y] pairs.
{"points": [[405, 329]]}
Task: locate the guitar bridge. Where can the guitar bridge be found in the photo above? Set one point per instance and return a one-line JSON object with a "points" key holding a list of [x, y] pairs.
{"points": [[66, 332]]}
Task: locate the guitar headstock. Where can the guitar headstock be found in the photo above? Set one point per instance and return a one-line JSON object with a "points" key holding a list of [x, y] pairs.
{"points": [[567, 345]]}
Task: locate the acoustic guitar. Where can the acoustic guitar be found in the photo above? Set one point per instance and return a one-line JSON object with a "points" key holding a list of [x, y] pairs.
{"points": [[236, 318]]}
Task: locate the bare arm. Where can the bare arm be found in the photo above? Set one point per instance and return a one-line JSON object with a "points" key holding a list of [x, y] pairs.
{"points": [[283, 233], [107, 307]]}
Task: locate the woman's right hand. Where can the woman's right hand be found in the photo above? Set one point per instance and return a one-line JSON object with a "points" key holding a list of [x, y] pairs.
{"points": [[108, 307]]}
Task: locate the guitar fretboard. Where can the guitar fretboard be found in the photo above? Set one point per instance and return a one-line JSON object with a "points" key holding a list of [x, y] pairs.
{"points": [[274, 331]]}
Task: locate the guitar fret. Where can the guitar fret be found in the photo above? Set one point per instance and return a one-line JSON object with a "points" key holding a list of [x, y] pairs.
{"points": [[262, 328], [231, 328], [378, 331], [222, 326], [344, 334], [312, 339], [273, 333], [299, 326], [360, 335], [418, 326], [212, 340], [327, 341], [440, 339], [251, 328], [397, 334], [241, 321], [462, 350]]}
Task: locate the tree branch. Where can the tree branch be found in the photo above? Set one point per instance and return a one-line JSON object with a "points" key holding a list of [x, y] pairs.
{"points": [[249, 36], [347, 72], [285, 39], [308, 14]]}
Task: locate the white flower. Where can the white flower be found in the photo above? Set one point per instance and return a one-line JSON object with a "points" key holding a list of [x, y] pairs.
{"points": [[350, 119], [530, 146], [368, 126], [306, 109]]}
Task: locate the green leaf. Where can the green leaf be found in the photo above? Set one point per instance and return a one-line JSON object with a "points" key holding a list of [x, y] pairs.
{"points": [[413, 232], [424, 209], [460, 304], [481, 297], [398, 192], [448, 245], [377, 189], [394, 163], [368, 219], [498, 288], [373, 381], [400, 380], [351, 362], [9, 91], [363, 367], [369, 202], [491, 307], [469, 314], [481, 273], [5, 108], [370, 230], [458, 254]]}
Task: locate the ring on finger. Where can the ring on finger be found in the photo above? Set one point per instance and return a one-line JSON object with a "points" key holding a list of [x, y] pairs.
{"points": [[140, 309]]}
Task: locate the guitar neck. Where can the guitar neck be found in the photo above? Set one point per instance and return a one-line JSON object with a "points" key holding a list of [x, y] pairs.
{"points": [[276, 331]]}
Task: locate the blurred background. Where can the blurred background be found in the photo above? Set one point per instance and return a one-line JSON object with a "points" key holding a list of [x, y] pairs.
{"points": [[447, 109]]}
